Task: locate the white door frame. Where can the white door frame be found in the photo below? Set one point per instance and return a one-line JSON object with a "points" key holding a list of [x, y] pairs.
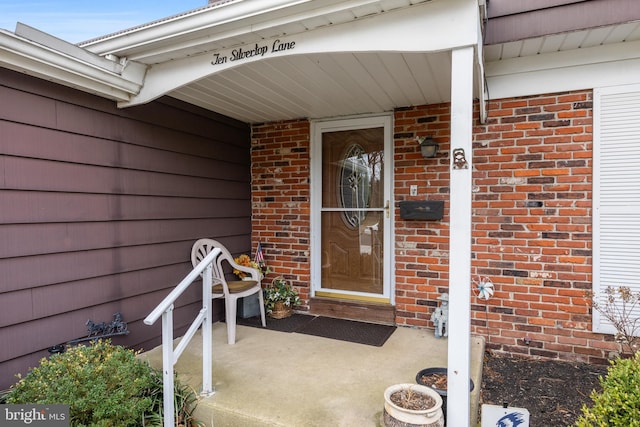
{"points": [[318, 127]]}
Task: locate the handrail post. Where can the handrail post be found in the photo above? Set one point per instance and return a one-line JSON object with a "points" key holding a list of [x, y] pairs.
{"points": [[167, 366], [204, 318], [207, 331]]}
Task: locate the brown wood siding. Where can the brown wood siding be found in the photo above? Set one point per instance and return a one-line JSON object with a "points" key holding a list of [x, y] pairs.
{"points": [[99, 208], [511, 20]]}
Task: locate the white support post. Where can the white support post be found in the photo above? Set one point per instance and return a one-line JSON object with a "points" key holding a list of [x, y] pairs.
{"points": [[459, 322], [167, 366], [207, 340]]}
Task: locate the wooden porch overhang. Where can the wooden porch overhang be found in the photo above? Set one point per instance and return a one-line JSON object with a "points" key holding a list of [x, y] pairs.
{"points": [[277, 60]]}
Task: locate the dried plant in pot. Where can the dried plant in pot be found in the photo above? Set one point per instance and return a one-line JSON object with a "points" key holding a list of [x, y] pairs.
{"points": [[436, 379], [280, 298], [409, 405]]}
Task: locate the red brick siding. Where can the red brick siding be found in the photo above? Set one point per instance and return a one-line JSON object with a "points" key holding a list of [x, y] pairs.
{"points": [[531, 219], [532, 226], [422, 247], [280, 194]]}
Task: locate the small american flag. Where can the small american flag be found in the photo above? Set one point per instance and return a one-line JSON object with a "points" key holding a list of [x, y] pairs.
{"points": [[259, 255]]}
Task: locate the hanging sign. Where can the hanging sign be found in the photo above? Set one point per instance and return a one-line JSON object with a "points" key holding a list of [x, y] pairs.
{"points": [[499, 416], [246, 52]]}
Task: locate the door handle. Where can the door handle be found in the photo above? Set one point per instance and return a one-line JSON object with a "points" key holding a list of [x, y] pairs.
{"points": [[386, 208]]}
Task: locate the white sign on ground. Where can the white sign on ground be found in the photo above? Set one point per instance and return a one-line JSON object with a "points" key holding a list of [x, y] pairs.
{"points": [[498, 416]]}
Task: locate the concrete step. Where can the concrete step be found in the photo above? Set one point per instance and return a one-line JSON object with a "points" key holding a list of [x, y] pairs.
{"points": [[270, 378]]}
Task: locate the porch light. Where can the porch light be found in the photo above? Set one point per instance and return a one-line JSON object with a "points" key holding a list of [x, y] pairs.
{"points": [[428, 147]]}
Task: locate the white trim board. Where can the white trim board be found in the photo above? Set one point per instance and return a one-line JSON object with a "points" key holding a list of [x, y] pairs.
{"points": [[587, 68]]}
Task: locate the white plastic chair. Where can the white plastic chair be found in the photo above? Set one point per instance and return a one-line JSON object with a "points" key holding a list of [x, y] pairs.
{"points": [[231, 291]]}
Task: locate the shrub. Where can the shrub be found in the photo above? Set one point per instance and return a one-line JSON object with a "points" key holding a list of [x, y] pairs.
{"points": [[619, 402], [104, 385], [619, 306]]}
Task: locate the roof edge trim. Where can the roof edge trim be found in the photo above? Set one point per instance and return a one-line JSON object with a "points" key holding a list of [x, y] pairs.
{"points": [[185, 23], [67, 68]]}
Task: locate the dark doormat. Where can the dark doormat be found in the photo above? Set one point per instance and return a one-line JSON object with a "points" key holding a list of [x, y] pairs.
{"points": [[348, 330], [289, 324], [326, 327]]}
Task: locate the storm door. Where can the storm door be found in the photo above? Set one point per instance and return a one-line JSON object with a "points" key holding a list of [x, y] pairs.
{"points": [[351, 216]]}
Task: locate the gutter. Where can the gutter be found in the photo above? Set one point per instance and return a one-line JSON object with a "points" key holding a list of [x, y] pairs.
{"points": [[36, 53], [483, 90]]}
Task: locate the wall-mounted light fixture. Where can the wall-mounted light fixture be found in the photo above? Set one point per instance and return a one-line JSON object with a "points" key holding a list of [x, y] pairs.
{"points": [[428, 147]]}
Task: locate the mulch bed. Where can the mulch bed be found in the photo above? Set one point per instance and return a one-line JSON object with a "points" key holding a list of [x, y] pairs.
{"points": [[553, 391]]}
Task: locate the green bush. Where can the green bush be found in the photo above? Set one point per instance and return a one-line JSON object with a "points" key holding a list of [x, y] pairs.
{"points": [[104, 385], [619, 402]]}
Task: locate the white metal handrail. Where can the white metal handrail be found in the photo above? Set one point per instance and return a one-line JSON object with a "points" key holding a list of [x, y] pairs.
{"points": [[205, 316]]}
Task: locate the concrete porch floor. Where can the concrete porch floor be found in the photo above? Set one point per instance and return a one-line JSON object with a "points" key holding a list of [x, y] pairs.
{"points": [[270, 378]]}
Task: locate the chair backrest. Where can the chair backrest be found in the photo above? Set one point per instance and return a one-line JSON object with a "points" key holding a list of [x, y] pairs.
{"points": [[203, 247]]}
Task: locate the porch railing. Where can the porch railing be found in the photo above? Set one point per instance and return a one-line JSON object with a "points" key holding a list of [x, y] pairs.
{"points": [[169, 354]]}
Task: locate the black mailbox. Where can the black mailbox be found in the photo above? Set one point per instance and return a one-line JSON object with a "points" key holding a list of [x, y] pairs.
{"points": [[422, 209]]}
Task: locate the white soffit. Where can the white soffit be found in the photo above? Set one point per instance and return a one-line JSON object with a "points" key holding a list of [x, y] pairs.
{"points": [[323, 85], [584, 59], [337, 57]]}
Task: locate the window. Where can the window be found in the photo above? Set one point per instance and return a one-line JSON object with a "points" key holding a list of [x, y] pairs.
{"points": [[355, 185]]}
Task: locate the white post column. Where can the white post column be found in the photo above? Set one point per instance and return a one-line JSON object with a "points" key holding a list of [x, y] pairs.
{"points": [[207, 332], [458, 401]]}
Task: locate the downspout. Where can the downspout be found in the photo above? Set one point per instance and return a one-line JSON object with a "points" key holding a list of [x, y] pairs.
{"points": [[483, 90]]}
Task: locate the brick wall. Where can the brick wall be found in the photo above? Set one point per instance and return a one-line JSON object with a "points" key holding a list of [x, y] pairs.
{"points": [[532, 226], [422, 257], [531, 219], [280, 194]]}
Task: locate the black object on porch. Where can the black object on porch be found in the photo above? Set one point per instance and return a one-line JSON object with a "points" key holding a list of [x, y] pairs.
{"points": [[327, 327], [288, 324]]}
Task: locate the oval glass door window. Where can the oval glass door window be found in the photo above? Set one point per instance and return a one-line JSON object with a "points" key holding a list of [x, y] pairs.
{"points": [[354, 183]]}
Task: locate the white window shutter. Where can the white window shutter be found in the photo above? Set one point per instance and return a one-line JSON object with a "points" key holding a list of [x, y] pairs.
{"points": [[616, 193]]}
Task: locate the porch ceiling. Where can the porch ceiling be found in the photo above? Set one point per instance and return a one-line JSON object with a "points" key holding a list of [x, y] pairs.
{"points": [[323, 85], [398, 54]]}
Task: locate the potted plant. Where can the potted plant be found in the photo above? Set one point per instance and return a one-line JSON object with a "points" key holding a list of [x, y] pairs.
{"points": [[279, 298], [407, 405], [436, 379]]}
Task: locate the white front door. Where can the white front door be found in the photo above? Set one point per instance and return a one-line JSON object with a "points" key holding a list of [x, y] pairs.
{"points": [[352, 208]]}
